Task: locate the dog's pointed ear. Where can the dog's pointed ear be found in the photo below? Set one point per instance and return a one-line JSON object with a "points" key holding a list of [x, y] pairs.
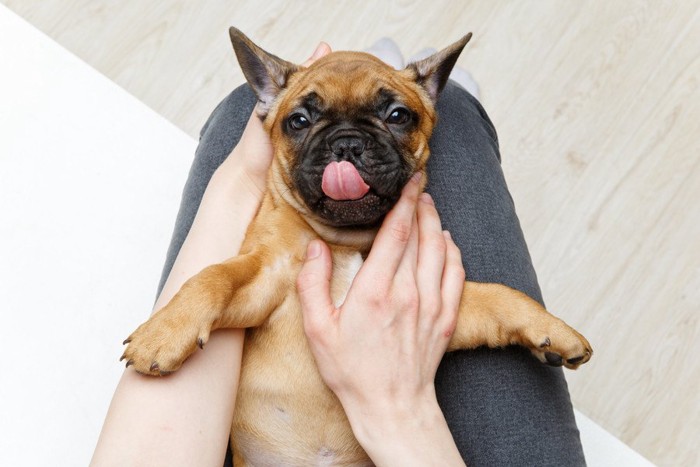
{"points": [[432, 72], [266, 73]]}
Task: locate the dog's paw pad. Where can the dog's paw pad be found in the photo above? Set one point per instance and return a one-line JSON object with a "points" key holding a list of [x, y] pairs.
{"points": [[575, 360], [553, 359]]}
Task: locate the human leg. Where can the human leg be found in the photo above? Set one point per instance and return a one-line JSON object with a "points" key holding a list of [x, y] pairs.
{"points": [[503, 406]]}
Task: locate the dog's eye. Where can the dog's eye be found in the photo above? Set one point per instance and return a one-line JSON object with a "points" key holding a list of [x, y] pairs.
{"points": [[299, 122], [398, 116]]}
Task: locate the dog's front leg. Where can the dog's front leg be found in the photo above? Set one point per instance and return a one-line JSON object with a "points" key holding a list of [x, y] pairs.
{"points": [[496, 316], [234, 294]]}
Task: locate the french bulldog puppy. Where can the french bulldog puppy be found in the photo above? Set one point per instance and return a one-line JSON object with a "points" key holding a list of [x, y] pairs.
{"points": [[348, 133]]}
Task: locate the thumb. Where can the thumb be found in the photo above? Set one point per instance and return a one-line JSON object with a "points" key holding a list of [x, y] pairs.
{"points": [[321, 50], [313, 285]]}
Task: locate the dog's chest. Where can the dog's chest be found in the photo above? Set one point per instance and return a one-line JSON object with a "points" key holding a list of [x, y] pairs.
{"points": [[346, 265], [285, 414], [345, 269]]}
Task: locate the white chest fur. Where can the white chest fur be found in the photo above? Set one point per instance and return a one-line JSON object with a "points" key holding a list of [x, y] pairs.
{"points": [[345, 268]]}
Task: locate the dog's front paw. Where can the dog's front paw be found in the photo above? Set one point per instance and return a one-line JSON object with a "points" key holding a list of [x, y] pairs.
{"points": [[160, 345], [555, 343]]}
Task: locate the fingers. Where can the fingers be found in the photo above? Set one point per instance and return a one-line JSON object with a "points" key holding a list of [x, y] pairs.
{"points": [[452, 283], [321, 50], [255, 139], [313, 285], [409, 261], [393, 236], [432, 250]]}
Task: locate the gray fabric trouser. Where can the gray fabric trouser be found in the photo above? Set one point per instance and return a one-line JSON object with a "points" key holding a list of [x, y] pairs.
{"points": [[504, 407]]}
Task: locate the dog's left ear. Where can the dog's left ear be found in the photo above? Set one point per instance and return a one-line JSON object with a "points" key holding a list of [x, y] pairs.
{"points": [[432, 72], [266, 73]]}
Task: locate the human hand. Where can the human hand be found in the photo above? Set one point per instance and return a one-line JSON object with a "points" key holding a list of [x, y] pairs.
{"points": [[380, 349]]}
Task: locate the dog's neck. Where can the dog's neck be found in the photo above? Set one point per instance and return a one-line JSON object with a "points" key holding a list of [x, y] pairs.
{"points": [[356, 238], [359, 239]]}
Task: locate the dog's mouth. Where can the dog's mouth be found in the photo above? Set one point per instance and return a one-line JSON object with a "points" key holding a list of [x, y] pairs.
{"points": [[356, 194], [346, 199], [362, 212]]}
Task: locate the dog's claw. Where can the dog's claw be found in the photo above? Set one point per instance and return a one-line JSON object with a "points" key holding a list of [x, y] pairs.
{"points": [[154, 366], [126, 341], [546, 343], [129, 363], [554, 359], [122, 357], [200, 343]]}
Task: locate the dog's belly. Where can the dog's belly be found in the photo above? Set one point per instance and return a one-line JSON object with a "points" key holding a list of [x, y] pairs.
{"points": [[285, 414]]}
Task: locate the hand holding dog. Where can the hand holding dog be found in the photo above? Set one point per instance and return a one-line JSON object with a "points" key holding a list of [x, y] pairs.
{"points": [[380, 349]]}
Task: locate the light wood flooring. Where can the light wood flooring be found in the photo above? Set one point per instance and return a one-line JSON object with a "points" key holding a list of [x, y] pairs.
{"points": [[597, 104]]}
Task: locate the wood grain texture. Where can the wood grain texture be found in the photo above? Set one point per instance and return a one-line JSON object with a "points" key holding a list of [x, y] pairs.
{"points": [[598, 110]]}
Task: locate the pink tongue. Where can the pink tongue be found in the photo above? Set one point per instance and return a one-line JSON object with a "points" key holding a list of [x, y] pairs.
{"points": [[342, 181]]}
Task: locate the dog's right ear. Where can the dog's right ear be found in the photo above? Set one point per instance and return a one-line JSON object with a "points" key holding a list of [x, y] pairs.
{"points": [[266, 73]]}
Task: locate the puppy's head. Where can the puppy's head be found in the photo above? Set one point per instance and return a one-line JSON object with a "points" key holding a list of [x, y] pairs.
{"points": [[349, 131]]}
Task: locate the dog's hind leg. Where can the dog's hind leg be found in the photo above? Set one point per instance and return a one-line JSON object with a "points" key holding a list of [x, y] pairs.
{"points": [[496, 316]]}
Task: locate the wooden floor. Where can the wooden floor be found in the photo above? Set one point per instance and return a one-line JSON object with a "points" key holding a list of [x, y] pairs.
{"points": [[597, 105]]}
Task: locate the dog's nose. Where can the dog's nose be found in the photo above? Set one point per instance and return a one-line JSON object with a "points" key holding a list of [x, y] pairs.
{"points": [[348, 146]]}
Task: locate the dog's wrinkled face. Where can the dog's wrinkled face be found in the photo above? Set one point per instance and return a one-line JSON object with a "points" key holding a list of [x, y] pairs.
{"points": [[349, 115], [349, 131]]}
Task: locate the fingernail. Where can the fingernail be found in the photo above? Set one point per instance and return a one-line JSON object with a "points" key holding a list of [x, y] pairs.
{"points": [[314, 250], [427, 199], [416, 177]]}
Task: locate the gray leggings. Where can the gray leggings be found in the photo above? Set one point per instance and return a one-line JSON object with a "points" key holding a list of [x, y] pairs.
{"points": [[504, 407]]}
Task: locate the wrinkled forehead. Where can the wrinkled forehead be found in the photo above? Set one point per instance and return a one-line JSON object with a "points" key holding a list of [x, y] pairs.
{"points": [[348, 82]]}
